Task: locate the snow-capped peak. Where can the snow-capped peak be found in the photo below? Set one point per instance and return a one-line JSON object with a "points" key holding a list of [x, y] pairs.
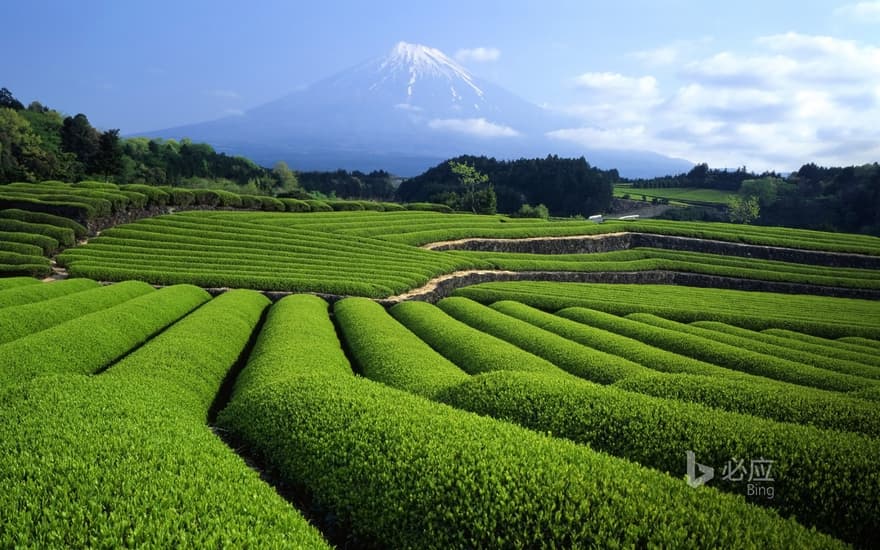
{"points": [[424, 62]]}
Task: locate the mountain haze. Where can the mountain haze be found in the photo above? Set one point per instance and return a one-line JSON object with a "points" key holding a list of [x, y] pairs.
{"points": [[403, 112]]}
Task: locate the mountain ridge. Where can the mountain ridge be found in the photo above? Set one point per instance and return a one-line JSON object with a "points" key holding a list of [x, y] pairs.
{"points": [[403, 112]]}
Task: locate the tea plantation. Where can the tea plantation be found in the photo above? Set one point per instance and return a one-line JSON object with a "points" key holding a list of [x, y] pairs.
{"points": [[212, 370]]}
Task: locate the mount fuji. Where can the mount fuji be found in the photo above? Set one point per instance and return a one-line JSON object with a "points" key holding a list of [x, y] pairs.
{"points": [[403, 112]]}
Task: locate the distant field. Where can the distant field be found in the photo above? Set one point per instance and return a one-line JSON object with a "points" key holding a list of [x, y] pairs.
{"points": [[680, 194], [374, 254]]}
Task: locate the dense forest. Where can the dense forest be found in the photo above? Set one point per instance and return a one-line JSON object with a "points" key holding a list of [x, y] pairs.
{"points": [[377, 185], [566, 187], [38, 143]]}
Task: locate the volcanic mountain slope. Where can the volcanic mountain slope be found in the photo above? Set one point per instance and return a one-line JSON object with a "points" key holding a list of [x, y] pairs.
{"points": [[402, 112]]}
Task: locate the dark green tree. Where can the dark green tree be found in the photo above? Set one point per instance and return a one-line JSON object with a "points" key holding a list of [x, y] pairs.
{"points": [[477, 194], [108, 162], [80, 138], [8, 100]]}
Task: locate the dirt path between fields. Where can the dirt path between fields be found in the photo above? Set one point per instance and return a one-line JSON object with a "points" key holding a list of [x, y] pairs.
{"points": [[460, 244], [60, 273]]}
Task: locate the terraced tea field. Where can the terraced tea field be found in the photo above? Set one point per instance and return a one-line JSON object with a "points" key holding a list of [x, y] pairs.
{"points": [[520, 412]]}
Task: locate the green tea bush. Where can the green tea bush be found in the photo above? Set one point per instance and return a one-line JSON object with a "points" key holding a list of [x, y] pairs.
{"points": [[19, 295], [44, 218], [403, 472], [387, 352]]}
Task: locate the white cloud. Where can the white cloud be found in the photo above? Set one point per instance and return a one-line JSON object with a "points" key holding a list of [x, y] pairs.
{"points": [[804, 98], [479, 127], [862, 12], [613, 98], [478, 55]]}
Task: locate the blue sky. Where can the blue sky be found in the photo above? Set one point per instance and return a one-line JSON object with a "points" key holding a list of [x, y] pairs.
{"points": [[763, 84]]}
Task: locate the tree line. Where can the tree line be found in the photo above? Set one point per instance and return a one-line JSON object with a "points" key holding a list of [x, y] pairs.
{"points": [[38, 143], [566, 186], [814, 197]]}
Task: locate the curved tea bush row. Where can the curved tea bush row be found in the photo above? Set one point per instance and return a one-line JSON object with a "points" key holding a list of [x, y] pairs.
{"points": [[185, 357], [63, 235], [824, 478], [816, 315], [571, 357], [19, 295], [42, 218], [86, 344], [404, 472], [822, 356], [755, 357], [723, 355], [21, 248], [865, 349], [15, 282], [861, 342], [19, 321], [639, 259], [12, 264], [387, 352], [142, 470], [688, 379], [210, 279], [46, 244], [78, 211], [472, 350], [297, 327]]}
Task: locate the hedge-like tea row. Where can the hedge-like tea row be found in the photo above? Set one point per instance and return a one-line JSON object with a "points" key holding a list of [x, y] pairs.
{"points": [[184, 358], [863, 348], [404, 472], [827, 357], [211, 279], [724, 355], [74, 210], [297, 327], [15, 282], [754, 357], [19, 321], [124, 458], [643, 259], [571, 357], [472, 350], [387, 352], [20, 295], [709, 384], [86, 344], [43, 218], [21, 248], [817, 315], [13, 264], [65, 236], [861, 342], [824, 478], [47, 245]]}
